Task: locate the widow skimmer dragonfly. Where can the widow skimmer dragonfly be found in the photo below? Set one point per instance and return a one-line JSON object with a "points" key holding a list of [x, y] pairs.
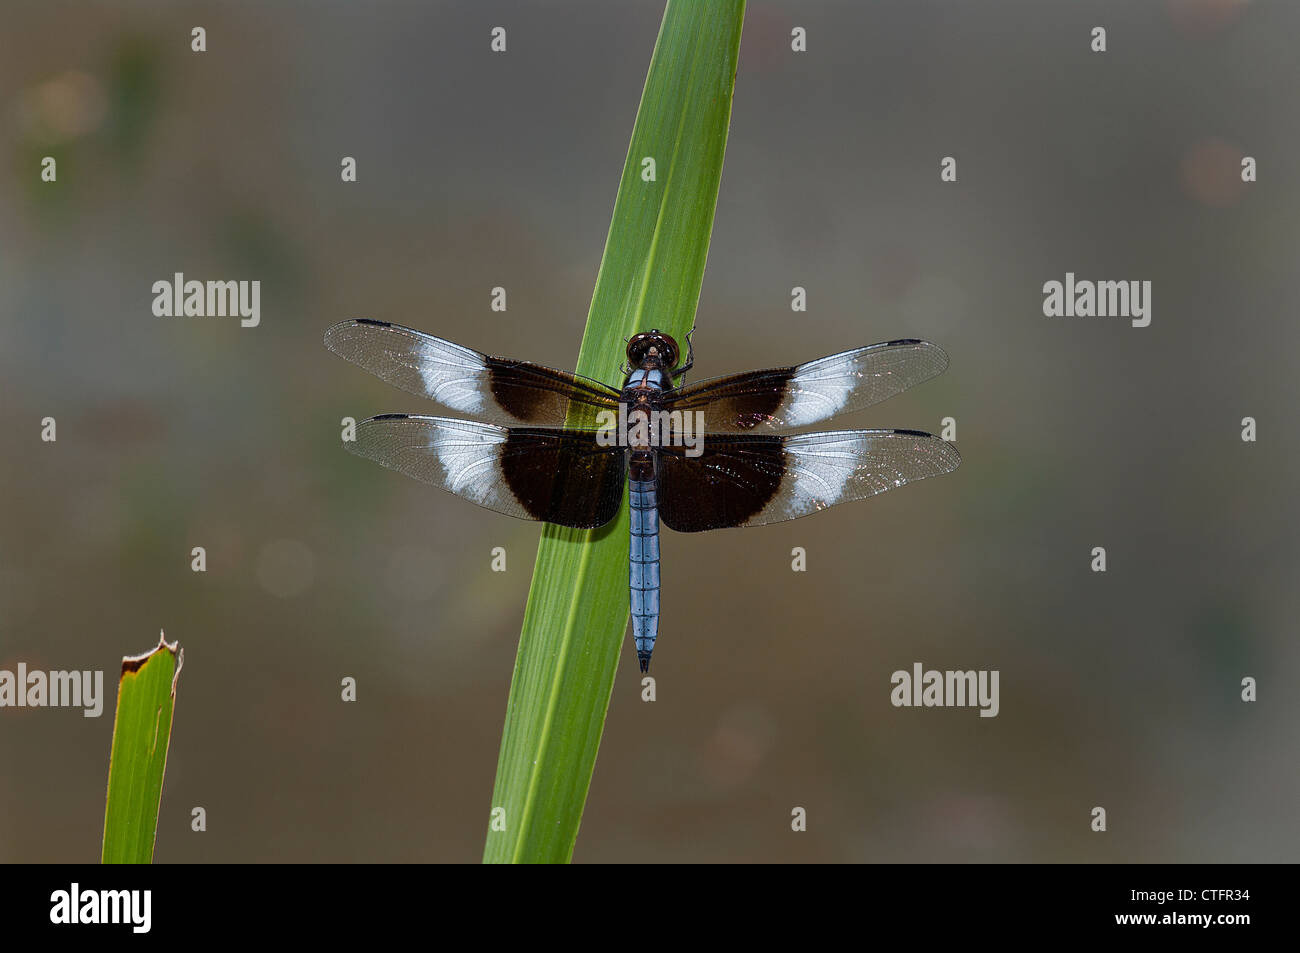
{"points": [[568, 441]]}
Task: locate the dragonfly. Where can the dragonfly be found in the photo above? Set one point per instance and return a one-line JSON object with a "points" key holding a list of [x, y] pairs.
{"points": [[558, 447]]}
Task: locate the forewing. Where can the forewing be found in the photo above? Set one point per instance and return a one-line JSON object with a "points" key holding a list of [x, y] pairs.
{"points": [[467, 382], [812, 392]]}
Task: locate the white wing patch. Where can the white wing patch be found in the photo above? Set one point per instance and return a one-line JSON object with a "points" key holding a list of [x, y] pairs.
{"points": [[419, 363], [456, 455], [443, 365], [855, 379], [823, 469], [462, 453]]}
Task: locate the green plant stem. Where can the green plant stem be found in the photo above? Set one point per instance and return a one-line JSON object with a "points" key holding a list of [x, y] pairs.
{"points": [[146, 698], [650, 276]]}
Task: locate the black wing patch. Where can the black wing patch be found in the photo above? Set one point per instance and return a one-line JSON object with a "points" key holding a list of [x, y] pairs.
{"points": [[752, 479], [465, 381], [560, 476], [811, 392]]}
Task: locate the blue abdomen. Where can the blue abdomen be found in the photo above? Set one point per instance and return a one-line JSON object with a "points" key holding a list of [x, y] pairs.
{"points": [[643, 573]]}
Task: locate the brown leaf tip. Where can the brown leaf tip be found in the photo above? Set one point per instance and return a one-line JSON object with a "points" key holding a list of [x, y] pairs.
{"points": [[132, 663]]}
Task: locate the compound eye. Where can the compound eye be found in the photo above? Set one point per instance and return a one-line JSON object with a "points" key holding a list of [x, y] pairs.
{"points": [[639, 347]]}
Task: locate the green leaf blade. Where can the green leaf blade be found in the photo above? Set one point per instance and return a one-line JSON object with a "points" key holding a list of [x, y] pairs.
{"points": [[650, 276], [146, 699]]}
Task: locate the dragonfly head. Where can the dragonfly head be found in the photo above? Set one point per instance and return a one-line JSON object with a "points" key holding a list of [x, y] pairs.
{"points": [[652, 350]]}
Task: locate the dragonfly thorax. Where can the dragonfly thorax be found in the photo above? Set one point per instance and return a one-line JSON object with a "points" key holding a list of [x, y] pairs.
{"points": [[645, 378]]}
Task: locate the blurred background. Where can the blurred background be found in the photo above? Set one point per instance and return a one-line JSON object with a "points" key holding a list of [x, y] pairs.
{"points": [[1119, 689]]}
